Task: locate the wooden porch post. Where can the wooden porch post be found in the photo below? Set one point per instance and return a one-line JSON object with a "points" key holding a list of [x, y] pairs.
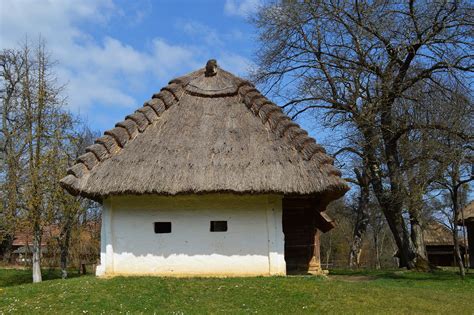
{"points": [[314, 266]]}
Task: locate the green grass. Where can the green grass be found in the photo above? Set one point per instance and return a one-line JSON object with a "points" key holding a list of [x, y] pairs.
{"points": [[346, 292]]}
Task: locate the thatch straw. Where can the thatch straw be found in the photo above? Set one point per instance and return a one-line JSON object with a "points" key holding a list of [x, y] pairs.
{"points": [[466, 214], [436, 234], [205, 134]]}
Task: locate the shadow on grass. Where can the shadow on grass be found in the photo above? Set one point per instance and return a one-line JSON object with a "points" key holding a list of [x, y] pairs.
{"points": [[401, 274], [12, 277]]}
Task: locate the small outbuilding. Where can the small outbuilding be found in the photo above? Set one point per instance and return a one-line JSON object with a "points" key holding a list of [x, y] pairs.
{"points": [[208, 178], [440, 244]]}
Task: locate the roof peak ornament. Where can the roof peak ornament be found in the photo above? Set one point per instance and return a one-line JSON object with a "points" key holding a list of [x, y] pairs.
{"points": [[211, 68]]}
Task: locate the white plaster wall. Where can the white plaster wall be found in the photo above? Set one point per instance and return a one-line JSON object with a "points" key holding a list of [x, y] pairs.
{"points": [[253, 244]]}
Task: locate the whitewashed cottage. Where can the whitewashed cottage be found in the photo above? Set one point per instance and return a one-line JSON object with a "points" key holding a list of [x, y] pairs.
{"points": [[208, 178]]}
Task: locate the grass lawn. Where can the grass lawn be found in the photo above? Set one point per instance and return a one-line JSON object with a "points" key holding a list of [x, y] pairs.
{"points": [[342, 292]]}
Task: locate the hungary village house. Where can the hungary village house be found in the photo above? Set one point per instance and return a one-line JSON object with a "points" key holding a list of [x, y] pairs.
{"points": [[208, 178]]}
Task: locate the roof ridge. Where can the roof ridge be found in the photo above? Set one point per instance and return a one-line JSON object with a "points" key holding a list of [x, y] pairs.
{"points": [[114, 140], [279, 122]]}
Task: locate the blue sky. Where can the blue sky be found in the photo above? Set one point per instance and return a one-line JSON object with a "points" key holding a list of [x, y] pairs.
{"points": [[114, 54]]}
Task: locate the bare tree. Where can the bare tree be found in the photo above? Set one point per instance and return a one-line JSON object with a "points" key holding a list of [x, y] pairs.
{"points": [[12, 148], [39, 140], [39, 97], [39, 101], [419, 153], [356, 61], [459, 172], [69, 145]]}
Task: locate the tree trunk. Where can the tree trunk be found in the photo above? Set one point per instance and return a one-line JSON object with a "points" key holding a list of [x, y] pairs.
{"points": [[392, 211], [421, 263], [380, 247], [389, 200], [457, 253], [406, 253], [64, 241], [328, 253], [377, 251], [7, 245], [455, 201], [64, 253], [416, 189], [362, 219], [83, 267], [356, 246], [36, 257]]}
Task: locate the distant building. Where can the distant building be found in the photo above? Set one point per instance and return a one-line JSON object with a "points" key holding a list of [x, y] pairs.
{"points": [[208, 178], [22, 245], [440, 245], [84, 248]]}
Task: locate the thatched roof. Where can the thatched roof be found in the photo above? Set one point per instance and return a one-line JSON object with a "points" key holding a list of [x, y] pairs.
{"points": [[466, 214], [436, 233], [206, 132]]}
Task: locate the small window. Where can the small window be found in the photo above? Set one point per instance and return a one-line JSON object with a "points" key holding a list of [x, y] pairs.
{"points": [[218, 226], [162, 227]]}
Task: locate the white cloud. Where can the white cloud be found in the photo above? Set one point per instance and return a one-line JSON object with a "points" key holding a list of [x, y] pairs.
{"points": [[105, 73], [242, 8], [54, 20], [87, 67], [98, 72]]}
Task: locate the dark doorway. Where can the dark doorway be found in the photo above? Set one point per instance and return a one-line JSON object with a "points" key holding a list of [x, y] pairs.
{"points": [[301, 236]]}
